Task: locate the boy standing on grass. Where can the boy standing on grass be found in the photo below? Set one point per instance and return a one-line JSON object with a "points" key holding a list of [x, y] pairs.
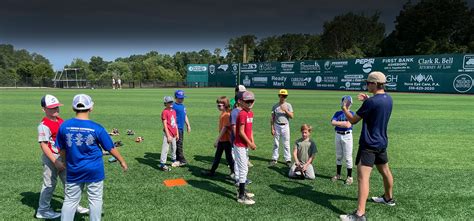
{"points": [[170, 134], [80, 141], [181, 118], [243, 140], [53, 164], [303, 153], [343, 141]]}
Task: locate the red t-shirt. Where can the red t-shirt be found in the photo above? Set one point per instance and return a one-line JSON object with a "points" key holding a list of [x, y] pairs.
{"points": [[244, 119], [170, 117], [50, 136]]}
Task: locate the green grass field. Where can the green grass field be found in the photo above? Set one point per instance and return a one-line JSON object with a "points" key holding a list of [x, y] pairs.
{"points": [[430, 152]]}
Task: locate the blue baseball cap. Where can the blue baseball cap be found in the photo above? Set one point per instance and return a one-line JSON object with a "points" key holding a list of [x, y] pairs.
{"points": [[346, 98], [179, 94]]}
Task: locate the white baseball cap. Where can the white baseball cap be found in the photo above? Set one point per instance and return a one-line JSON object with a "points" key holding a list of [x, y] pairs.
{"points": [[240, 88], [50, 101], [82, 102]]}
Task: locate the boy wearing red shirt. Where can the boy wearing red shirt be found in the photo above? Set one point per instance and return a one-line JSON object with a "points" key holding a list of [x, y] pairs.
{"points": [[244, 140]]}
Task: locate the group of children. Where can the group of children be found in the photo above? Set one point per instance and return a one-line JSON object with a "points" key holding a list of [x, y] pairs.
{"points": [[74, 146], [235, 138], [83, 141]]}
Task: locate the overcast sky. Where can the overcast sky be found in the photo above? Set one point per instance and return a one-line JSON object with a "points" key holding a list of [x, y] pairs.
{"points": [[63, 30]]}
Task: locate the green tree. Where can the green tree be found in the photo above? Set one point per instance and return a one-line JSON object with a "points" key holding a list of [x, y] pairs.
{"points": [[432, 26], [235, 48], [353, 31], [268, 49], [98, 65]]}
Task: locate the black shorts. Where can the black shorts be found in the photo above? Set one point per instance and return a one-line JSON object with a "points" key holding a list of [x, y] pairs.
{"points": [[369, 156]]}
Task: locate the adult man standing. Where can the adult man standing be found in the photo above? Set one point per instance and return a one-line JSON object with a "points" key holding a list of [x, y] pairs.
{"points": [[375, 113], [282, 112]]}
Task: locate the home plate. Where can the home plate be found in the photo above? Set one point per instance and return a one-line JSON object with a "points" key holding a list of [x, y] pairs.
{"points": [[175, 182]]}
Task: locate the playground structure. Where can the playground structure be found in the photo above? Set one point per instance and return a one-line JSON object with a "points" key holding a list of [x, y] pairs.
{"points": [[70, 78]]}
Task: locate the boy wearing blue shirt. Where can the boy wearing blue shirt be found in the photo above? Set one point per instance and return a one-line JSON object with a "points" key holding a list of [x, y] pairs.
{"points": [[81, 141], [343, 141], [181, 118]]}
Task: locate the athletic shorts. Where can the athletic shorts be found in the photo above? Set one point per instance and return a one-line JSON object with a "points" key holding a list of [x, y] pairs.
{"points": [[369, 156]]}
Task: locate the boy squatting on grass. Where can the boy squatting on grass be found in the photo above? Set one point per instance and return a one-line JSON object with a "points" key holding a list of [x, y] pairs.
{"points": [[80, 141], [303, 153], [170, 133], [53, 165]]}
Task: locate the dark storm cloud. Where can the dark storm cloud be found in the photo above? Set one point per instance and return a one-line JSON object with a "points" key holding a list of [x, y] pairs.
{"points": [[206, 20]]}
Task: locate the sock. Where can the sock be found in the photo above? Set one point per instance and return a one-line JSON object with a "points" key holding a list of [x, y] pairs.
{"points": [[241, 190], [338, 169], [349, 172]]}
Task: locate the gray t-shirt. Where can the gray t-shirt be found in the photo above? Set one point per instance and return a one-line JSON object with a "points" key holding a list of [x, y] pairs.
{"points": [[233, 121], [305, 149], [280, 116]]}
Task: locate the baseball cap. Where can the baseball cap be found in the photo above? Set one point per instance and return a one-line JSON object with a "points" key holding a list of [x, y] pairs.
{"points": [[50, 101], [82, 102], [376, 77], [179, 94], [248, 96], [240, 88], [167, 99], [346, 98], [283, 92]]}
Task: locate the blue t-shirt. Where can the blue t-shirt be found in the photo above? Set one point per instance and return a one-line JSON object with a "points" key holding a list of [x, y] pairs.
{"points": [[340, 116], [233, 121], [82, 140], [375, 113], [180, 114]]}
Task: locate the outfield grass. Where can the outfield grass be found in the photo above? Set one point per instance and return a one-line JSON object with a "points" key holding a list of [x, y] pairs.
{"points": [[430, 151]]}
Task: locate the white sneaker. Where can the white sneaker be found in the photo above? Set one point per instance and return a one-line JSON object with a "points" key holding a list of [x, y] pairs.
{"points": [[335, 178], [381, 199], [50, 214], [82, 210], [175, 164], [349, 180], [245, 200]]}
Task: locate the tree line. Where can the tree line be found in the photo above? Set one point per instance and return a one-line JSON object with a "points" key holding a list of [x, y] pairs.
{"points": [[427, 27]]}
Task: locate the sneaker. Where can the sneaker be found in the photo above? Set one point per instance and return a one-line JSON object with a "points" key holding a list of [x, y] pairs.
{"points": [[250, 164], [175, 164], [232, 176], [288, 163], [183, 163], [336, 178], [273, 163], [48, 215], [245, 200], [349, 180], [353, 217], [165, 168], [130, 132], [118, 143], [82, 210], [381, 199], [247, 194], [112, 160]]}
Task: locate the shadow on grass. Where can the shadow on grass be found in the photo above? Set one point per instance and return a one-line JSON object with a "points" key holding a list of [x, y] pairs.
{"points": [[220, 177], [31, 199], [210, 159], [212, 187], [150, 159], [280, 170], [306, 192]]}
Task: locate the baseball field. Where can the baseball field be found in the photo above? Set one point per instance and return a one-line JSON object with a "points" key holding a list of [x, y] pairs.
{"points": [[430, 153]]}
